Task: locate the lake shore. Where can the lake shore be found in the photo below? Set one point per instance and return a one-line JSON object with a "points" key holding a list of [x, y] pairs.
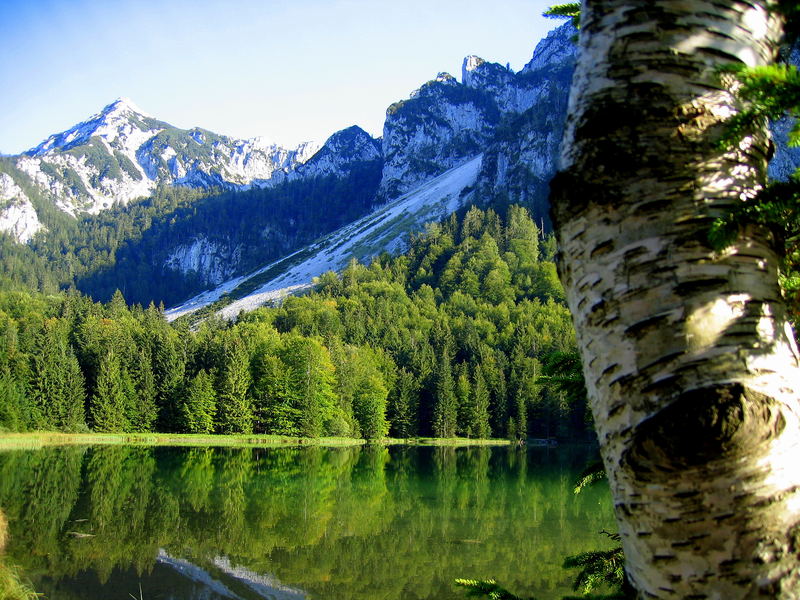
{"points": [[39, 439]]}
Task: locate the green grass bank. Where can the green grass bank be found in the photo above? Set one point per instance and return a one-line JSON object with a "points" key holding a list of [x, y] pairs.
{"points": [[39, 439]]}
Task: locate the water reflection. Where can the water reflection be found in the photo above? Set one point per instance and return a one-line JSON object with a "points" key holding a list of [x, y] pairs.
{"points": [[291, 523]]}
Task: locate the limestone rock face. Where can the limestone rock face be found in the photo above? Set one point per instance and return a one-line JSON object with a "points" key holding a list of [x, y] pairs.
{"points": [[517, 117], [17, 216]]}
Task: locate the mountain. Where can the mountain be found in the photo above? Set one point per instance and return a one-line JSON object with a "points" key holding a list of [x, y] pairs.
{"points": [[517, 117], [343, 175], [122, 153], [17, 215], [385, 229], [499, 126]]}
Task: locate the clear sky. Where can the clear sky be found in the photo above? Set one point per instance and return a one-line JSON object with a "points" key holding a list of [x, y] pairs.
{"points": [[289, 70]]}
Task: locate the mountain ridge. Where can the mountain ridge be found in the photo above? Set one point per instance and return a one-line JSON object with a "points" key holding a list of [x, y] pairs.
{"points": [[442, 126]]}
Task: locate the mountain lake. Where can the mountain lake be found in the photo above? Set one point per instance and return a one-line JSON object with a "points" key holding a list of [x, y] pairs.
{"points": [[398, 522]]}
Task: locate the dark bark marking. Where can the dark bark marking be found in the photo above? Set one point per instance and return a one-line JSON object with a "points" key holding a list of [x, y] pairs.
{"points": [[665, 383], [700, 427], [699, 286], [664, 558], [616, 409], [721, 518], [608, 370], [602, 248], [688, 494], [642, 328]]}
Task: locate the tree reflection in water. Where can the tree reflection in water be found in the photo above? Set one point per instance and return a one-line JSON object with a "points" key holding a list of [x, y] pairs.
{"points": [[360, 523]]}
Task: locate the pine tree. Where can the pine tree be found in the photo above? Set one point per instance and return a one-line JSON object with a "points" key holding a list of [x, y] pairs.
{"points": [[199, 406], [312, 377], [403, 405], [234, 409], [480, 418], [445, 409], [107, 406], [143, 409], [56, 388], [14, 407], [369, 407]]}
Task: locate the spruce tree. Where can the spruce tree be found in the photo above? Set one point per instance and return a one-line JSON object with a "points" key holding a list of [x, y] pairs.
{"points": [[235, 411], [445, 409], [200, 404], [480, 404], [107, 406]]}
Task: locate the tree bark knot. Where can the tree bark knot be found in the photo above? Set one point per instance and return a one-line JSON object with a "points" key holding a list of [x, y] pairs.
{"points": [[703, 427]]}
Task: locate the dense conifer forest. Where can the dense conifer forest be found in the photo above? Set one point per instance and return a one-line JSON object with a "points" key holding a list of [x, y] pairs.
{"points": [[126, 247], [466, 334]]}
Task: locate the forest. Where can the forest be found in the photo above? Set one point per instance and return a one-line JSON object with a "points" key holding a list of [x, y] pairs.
{"points": [[466, 334], [127, 247]]}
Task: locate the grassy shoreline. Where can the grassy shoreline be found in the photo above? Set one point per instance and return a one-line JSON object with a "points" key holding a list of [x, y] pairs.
{"points": [[39, 439]]}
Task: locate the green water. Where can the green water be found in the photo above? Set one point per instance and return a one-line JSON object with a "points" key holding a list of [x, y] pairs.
{"points": [[291, 523]]}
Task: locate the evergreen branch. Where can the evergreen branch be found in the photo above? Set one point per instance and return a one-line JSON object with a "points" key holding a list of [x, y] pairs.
{"points": [[488, 588], [768, 92], [569, 10], [600, 567], [589, 476]]}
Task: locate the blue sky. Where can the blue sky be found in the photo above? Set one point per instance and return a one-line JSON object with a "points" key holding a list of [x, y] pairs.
{"points": [[289, 70]]}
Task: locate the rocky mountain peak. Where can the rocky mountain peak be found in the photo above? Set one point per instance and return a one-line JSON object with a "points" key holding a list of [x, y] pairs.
{"points": [[123, 105], [471, 63], [340, 152], [477, 73], [120, 119], [556, 49]]}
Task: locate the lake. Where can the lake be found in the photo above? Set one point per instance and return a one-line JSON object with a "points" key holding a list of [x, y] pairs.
{"points": [[290, 523]]}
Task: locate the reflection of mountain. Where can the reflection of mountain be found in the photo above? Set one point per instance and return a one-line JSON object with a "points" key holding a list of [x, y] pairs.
{"points": [[171, 579], [356, 523], [228, 582]]}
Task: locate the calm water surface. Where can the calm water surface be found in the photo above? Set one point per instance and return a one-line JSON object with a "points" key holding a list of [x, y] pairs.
{"points": [[291, 523]]}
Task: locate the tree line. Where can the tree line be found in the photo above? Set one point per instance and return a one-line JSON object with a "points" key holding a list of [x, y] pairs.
{"points": [[464, 335], [126, 247]]}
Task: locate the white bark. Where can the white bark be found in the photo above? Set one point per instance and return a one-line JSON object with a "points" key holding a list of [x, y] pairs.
{"points": [[691, 366]]}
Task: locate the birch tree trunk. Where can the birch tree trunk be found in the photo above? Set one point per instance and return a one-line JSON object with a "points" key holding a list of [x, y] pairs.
{"points": [[690, 363]]}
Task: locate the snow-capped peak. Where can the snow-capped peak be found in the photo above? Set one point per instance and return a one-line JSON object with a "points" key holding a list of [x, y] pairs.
{"points": [[123, 105], [121, 118]]}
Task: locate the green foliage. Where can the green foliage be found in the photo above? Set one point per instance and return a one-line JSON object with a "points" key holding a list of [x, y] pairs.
{"points": [[235, 406], [107, 405], [449, 339], [598, 569], [13, 586], [776, 208], [14, 407], [487, 588], [592, 474], [200, 404], [569, 10], [769, 92]]}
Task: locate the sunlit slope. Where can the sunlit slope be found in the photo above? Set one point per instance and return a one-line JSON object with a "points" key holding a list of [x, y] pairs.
{"points": [[385, 229]]}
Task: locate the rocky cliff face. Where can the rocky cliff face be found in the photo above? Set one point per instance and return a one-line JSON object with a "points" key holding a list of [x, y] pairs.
{"points": [[215, 258], [523, 155], [17, 215], [339, 154], [445, 123], [213, 261]]}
